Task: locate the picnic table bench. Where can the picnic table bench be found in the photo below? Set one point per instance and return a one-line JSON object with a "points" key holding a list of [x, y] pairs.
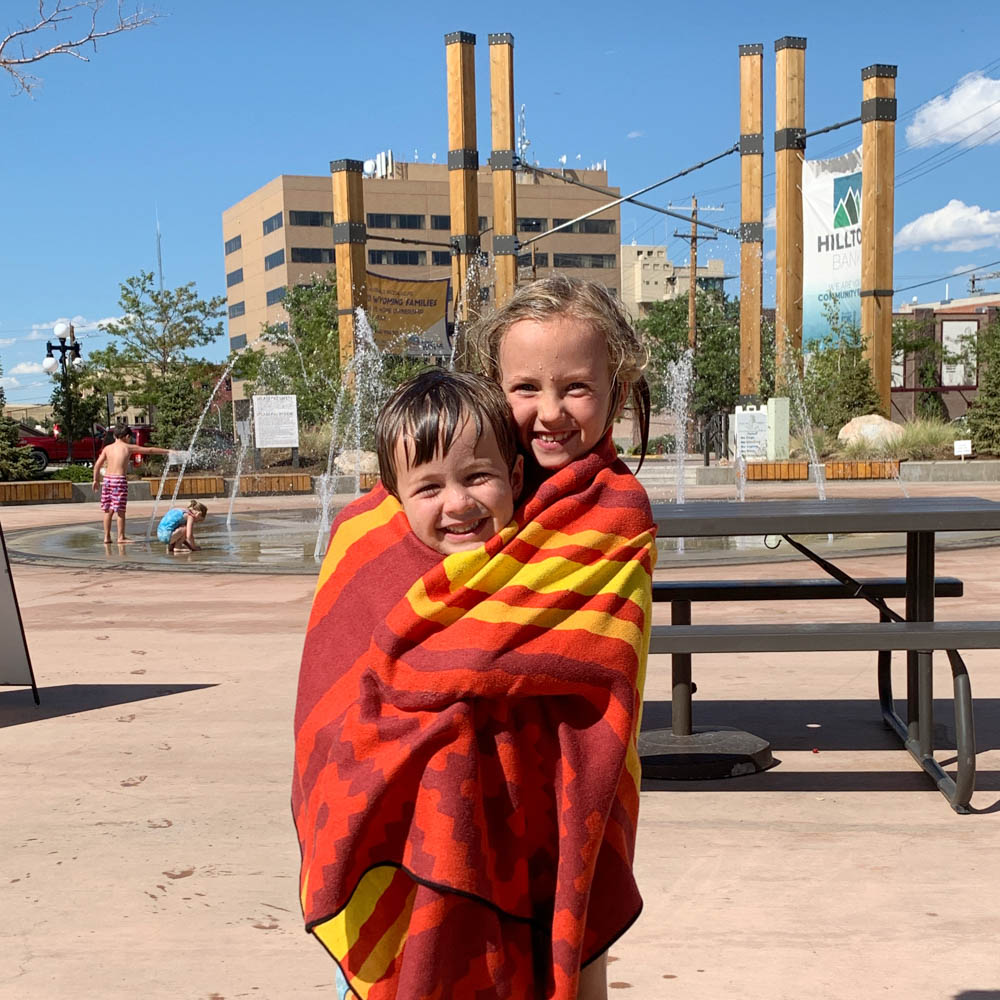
{"points": [[918, 634]]}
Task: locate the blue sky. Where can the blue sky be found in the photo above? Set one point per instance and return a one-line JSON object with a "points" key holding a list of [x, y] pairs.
{"points": [[188, 116]]}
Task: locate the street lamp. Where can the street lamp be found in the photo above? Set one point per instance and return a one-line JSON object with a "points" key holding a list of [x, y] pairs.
{"points": [[64, 332]]}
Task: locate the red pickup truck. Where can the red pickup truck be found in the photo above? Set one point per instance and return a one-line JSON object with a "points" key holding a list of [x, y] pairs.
{"points": [[48, 448]]}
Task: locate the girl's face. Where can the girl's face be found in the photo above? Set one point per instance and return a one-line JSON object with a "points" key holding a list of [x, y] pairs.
{"points": [[556, 376]]}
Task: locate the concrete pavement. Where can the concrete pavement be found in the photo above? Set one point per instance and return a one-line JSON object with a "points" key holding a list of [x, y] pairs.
{"points": [[148, 849]]}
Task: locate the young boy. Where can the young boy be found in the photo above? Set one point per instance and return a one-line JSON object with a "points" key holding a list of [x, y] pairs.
{"points": [[447, 451], [114, 489]]}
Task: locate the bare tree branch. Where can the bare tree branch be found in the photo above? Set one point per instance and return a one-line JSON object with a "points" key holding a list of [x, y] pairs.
{"points": [[53, 15]]}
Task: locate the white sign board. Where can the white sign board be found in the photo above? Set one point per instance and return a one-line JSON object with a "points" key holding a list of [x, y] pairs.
{"points": [[831, 242], [958, 338], [751, 431], [276, 421], [15, 665], [963, 448]]}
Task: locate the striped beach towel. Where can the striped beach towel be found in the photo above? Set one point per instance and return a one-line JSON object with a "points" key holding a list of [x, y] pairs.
{"points": [[466, 782]]}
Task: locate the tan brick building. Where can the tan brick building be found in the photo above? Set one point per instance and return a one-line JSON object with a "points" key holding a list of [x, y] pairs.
{"points": [[282, 233], [648, 277]]}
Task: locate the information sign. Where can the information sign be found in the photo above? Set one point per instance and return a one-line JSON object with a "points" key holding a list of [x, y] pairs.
{"points": [[276, 421]]}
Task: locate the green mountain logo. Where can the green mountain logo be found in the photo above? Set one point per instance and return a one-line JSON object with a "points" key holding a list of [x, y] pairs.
{"points": [[846, 201]]}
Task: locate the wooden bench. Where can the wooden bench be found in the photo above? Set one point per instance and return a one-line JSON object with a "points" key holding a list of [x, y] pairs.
{"points": [[682, 639]]}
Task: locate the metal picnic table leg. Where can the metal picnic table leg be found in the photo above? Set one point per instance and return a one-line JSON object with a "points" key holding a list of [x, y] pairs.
{"points": [[680, 667]]}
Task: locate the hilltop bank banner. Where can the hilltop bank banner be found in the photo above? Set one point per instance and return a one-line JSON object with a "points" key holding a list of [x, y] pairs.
{"points": [[831, 241], [410, 317]]}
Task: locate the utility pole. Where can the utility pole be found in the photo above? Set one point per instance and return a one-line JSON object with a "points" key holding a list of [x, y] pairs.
{"points": [[693, 239], [751, 213]]}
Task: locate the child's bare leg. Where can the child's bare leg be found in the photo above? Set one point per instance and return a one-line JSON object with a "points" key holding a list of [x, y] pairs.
{"points": [[121, 528], [176, 538], [594, 979], [107, 527]]}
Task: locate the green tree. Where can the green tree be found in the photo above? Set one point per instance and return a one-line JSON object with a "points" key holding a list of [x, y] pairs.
{"points": [[916, 339], [74, 410], [151, 359], [15, 461], [838, 381], [716, 360], [984, 413]]}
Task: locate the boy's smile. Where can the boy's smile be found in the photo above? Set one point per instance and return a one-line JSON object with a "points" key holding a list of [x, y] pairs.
{"points": [[457, 501]]}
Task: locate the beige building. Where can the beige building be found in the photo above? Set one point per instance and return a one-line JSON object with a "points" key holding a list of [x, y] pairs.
{"points": [[281, 234], [648, 277]]}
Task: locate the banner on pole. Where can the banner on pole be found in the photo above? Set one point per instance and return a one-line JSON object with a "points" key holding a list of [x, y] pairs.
{"points": [[410, 317], [831, 242], [15, 664]]}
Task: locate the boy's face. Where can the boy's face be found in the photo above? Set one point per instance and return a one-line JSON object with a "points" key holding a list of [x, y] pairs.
{"points": [[455, 502]]}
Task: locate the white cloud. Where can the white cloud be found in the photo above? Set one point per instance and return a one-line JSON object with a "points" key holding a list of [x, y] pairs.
{"points": [[9, 382], [771, 218], [770, 255], [635, 134], [7, 341], [956, 227], [27, 368], [81, 326], [970, 113]]}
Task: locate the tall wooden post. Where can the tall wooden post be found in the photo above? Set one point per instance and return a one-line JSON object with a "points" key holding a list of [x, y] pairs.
{"points": [[751, 213], [693, 278], [789, 143], [503, 166], [349, 236], [878, 159], [463, 178]]}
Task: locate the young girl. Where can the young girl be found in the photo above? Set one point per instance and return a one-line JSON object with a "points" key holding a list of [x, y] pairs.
{"points": [[176, 527], [568, 360], [466, 784]]}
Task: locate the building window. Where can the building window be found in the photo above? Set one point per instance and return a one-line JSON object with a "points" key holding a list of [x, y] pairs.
{"points": [[233, 245], [592, 226], [234, 277], [312, 255], [524, 259], [275, 295], [275, 259], [532, 225], [238, 342], [393, 220], [310, 218], [440, 222], [583, 260], [441, 258], [237, 309], [283, 327], [414, 258], [273, 223]]}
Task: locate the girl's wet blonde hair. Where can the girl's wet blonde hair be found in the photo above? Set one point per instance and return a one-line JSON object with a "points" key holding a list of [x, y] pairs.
{"points": [[198, 507], [588, 302]]}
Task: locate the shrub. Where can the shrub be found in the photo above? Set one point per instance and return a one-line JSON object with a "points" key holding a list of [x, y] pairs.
{"points": [[74, 473]]}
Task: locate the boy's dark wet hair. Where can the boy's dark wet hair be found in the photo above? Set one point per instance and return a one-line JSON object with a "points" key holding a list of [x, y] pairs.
{"points": [[427, 411], [122, 431]]}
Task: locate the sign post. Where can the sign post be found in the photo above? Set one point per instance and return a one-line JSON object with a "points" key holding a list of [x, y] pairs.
{"points": [[15, 663]]}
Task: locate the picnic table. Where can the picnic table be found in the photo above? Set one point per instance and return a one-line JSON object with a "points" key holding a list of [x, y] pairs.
{"points": [[916, 631]]}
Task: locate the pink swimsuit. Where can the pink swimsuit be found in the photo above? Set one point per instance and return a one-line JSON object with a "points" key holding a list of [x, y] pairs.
{"points": [[114, 494]]}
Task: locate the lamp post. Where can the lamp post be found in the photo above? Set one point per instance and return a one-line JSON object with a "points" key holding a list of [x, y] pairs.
{"points": [[71, 350]]}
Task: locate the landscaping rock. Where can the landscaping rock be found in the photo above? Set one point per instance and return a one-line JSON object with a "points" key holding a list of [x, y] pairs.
{"points": [[871, 428], [347, 462]]}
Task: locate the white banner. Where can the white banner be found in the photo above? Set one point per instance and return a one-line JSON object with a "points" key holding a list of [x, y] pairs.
{"points": [[831, 241], [276, 421], [15, 664], [958, 338]]}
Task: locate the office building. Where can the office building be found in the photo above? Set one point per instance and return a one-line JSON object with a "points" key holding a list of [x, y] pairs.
{"points": [[648, 277]]}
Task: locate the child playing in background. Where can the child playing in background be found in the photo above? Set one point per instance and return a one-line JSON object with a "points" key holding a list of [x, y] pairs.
{"points": [[114, 489], [176, 527], [467, 778]]}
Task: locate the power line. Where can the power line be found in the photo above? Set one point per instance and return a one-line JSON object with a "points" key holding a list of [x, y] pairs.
{"points": [[944, 277]]}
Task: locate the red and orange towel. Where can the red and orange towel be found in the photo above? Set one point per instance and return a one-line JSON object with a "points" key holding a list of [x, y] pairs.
{"points": [[466, 782]]}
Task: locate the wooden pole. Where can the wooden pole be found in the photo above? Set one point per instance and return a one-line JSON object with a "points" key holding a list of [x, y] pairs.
{"points": [[693, 278], [878, 159], [751, 213], [503, 167], [463, 177], [349, 236], [789, 144]]}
